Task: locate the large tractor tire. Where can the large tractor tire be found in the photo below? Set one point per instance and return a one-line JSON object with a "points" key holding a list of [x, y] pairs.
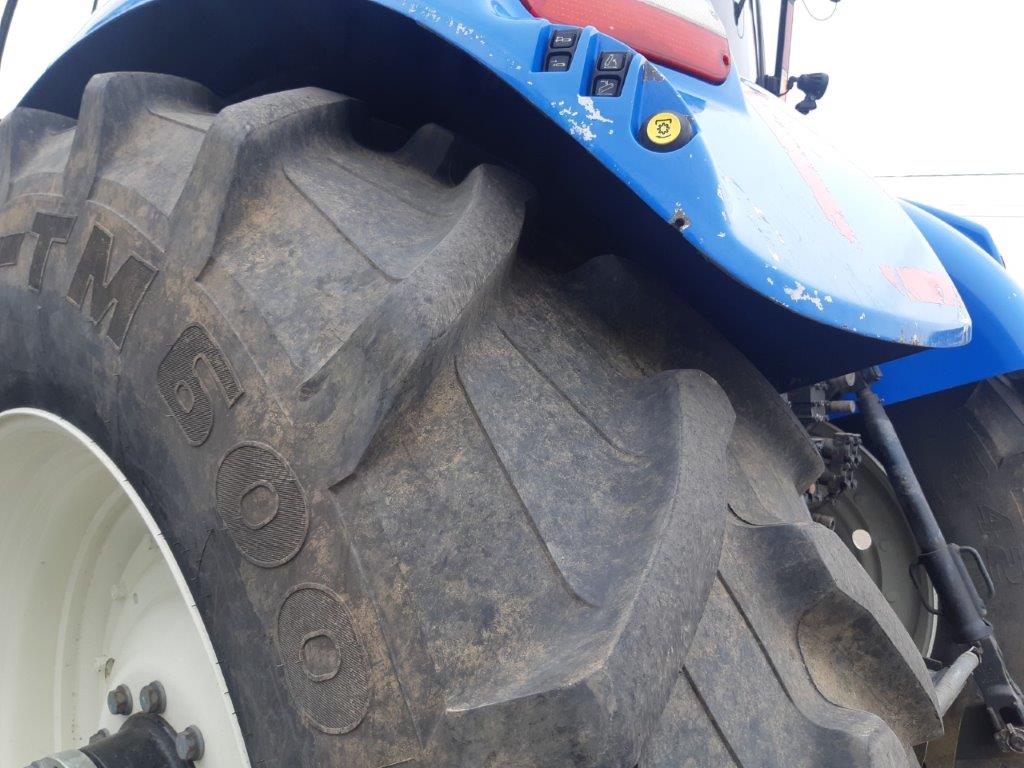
{"points": [[968, 451], [436, 503]]}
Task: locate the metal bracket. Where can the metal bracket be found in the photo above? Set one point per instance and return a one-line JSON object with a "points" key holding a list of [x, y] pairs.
{"points": [[817, 402], [841, 454]]}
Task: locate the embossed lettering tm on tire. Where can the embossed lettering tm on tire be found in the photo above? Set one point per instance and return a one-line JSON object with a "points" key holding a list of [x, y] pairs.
{"points": [[437, 504]]}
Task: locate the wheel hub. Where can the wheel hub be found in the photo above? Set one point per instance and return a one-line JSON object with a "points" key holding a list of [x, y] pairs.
{"points": [[869, 520], [100, 611], [144, 740]]}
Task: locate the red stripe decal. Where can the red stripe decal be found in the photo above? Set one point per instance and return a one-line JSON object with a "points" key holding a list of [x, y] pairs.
{"points": [[923, 286], [784, 134]]}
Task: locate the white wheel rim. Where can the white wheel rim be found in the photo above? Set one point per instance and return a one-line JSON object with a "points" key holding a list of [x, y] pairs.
{"points": [[92, 598]]}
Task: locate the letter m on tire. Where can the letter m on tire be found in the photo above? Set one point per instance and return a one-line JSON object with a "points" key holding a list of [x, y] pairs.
{"points": [[120, 295]]}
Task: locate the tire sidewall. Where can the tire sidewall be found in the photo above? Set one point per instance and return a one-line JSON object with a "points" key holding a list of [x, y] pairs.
{"points": [[56, 358]]}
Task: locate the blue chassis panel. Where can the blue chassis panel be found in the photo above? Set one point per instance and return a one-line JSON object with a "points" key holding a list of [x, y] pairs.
{"points": [[764, 201]]}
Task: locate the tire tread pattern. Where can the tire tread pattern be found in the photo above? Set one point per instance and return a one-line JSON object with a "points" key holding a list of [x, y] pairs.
{"points": [[571, 510]]}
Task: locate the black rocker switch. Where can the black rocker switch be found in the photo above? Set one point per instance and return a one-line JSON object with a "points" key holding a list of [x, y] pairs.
{"points": [[606, 86], [559, 62], [564, 38], [611, 61]]}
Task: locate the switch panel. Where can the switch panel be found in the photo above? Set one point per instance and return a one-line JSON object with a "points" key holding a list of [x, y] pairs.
{"points": [[611, 69], [561, 47]]}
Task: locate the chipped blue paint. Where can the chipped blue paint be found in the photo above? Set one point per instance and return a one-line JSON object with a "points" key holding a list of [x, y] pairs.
{"points": [[765, 201]]}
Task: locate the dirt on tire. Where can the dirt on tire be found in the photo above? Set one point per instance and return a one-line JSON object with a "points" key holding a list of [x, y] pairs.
{"points": [[437, 503]]}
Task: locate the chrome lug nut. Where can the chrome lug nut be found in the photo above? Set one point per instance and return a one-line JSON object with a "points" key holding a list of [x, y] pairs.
{"points": [[119, 700], [152, 698], [189, 744]]}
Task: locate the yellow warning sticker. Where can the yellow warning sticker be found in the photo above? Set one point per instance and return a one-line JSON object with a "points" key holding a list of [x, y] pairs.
{"points": [[664, 128]]}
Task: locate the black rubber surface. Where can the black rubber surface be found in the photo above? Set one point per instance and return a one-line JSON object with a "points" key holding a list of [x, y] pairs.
{"points": [[439, 505]]}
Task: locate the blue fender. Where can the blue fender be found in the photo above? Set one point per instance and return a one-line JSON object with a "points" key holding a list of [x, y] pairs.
{"points": [[972, 230], [780, 219], [992, 296]]}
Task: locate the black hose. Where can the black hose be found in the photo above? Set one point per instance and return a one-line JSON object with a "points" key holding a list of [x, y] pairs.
{"points": [[5, 25], [958, 599]]}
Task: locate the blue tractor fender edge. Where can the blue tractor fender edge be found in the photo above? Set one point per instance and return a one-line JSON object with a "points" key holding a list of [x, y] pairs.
{"points": [[993, 298], [974, 231], [803, 261]]}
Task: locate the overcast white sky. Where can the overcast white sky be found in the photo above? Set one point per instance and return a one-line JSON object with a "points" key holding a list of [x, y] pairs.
{"points": [[921, 92], [41, 30], [924, 90]]}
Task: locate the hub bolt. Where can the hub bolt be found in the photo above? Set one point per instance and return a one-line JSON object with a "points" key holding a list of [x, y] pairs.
{"points": [[152, 698], [119, 700], [100, 735], [189, 744]]}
